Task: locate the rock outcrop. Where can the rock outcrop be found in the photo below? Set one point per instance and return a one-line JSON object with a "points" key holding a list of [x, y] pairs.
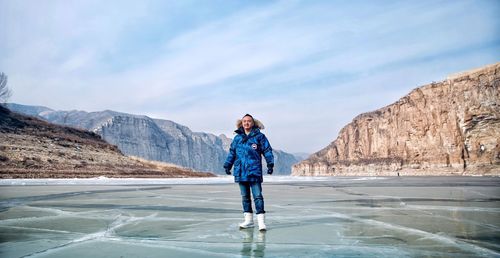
{"points": [[450, 127], [153, 139]]}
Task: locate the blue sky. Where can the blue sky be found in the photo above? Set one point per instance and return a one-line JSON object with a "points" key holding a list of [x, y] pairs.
{"points": [[304, 68]]}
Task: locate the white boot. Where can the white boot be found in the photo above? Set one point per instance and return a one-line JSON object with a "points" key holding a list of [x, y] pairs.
{"points": [[260, 220], [248, 223]]}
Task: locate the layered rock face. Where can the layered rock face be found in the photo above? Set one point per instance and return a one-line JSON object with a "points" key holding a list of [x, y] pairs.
{"points": [[153, 139], [450, 127]]}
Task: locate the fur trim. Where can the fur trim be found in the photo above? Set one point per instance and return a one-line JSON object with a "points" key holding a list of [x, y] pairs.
{"points": [[257, 123]]}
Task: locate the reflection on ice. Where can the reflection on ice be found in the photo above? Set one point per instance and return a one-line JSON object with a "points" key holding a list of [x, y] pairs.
{"points": [[307, 217]]}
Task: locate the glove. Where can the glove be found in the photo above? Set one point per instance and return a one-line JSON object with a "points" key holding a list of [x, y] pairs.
{"points": [[227, 168], [270, 169]]}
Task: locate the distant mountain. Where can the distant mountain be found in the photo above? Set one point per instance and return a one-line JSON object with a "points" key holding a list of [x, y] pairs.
{"points": [[34, 148], [153, 139], [28, 110], [301, 155]]}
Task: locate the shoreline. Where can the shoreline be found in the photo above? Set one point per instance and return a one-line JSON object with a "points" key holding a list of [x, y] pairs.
{"points": [[217, 180]]}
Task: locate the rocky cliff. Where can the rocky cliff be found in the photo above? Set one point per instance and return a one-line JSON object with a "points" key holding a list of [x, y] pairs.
{"points": [[153, 139], [164, 140], [449, 127]]}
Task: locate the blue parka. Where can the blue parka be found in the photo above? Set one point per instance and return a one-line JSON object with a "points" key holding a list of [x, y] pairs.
{"points": [[246, 153]]}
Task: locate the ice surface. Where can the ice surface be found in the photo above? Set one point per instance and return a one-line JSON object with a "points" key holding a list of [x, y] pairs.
{"points": [[306, 217]]}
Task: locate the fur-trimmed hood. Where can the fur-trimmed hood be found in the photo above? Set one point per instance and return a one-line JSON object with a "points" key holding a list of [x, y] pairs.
{"points": [[256, 122]]}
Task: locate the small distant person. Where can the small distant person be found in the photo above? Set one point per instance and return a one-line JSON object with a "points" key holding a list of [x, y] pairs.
{"points": [[245, 154]]}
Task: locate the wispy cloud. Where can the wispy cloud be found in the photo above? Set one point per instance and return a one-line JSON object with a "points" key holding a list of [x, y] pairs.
{"points": [[305, 68]]}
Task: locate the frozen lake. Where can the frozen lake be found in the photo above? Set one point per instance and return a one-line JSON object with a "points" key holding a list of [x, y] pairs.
{"points": [[306, 217]]}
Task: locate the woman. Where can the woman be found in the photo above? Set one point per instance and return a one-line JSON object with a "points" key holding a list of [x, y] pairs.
{"points": [[245, 153]]}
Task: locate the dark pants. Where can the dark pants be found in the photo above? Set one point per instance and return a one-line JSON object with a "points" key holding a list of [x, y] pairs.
{"points": [[256, 188]]}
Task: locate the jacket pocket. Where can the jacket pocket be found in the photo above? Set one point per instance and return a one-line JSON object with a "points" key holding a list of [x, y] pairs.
{"points": [[237, 168], [255, 170]]}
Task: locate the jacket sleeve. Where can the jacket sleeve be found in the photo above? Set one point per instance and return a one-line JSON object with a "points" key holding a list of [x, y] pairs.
{"points": [[231, 156], [267, 151]]}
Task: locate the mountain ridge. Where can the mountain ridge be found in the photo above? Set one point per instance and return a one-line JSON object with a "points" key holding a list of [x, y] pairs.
{"points": [[154, 139]]}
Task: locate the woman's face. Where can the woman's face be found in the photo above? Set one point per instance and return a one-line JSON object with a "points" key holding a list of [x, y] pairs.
{"points": [[247, 122]]}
